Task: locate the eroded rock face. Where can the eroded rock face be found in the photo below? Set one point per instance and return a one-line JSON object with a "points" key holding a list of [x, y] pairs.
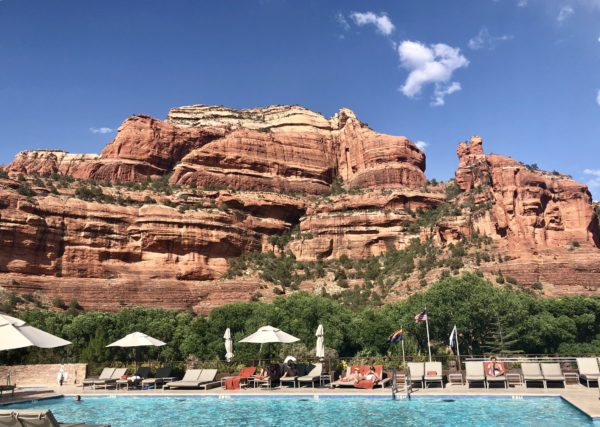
{"points": [[259, 173], [530, 209], [278, 148], [360, 225]]}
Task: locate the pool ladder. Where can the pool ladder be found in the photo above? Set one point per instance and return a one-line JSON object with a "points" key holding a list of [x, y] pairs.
{"points": [[407, 385]]}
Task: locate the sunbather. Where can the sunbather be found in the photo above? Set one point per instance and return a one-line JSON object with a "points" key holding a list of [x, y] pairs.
{"points": [[353, 377], [372, 375], [495, 368]]}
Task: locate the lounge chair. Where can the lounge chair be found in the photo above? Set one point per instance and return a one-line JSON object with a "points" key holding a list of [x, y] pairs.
{"points": [[491, 379], [190, 379], [433, 373], [268, 380], [532, 372], [552, 372], [344, 382], [207, 379], [106, 382], [588, 369], [234, 382], [10, 388], [370, 384], [106, 374], [36, 418], [475, 373], [163, 375], [417, 373], [136, 379], [313, 376]]}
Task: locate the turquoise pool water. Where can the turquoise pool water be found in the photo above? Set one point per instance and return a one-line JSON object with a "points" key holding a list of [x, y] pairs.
{"points": [[308, 411]]}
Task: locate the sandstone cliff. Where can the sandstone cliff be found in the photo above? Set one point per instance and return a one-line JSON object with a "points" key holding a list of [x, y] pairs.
{"points": [[168, 207]]}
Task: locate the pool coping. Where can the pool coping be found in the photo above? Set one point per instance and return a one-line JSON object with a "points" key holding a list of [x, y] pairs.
{"points": [[317, 396], [573, 401]]}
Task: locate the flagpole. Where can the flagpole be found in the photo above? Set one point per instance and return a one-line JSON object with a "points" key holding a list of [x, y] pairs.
{"points": [[427, 327], [457, 349], [403, 358]]}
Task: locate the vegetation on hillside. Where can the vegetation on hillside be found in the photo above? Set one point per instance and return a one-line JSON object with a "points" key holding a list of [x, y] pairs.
{"points": [[488, 318]]}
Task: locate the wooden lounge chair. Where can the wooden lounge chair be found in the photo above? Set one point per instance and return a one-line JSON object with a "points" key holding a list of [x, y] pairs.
{"points": [[532, 373], [433, 373], [36, 418], [234, 382], [163, 376], [588, 369], [491, 379], [416, 371], [190, 379], [106, 374], [475, 373], [552, 372], [313, 376]]}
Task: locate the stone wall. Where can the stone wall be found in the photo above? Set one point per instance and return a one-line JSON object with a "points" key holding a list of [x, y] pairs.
{"points": [[46, 375]]}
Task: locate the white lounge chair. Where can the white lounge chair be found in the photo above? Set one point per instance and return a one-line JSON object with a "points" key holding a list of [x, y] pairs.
{"points": [[190, 379], [532, 373], [588, 369], [433, 373], [206, 379], [417, 373], [552, 372], [313, 376], [106, 374], [475, 373]]}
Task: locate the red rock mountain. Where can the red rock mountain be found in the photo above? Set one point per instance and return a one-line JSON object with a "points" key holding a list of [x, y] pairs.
{"points": [[236, 178]]}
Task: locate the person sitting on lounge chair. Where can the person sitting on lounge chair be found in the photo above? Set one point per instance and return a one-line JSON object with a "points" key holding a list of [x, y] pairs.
{"points": [[353, 377], [372, 375], [289, 370], [494, 368]]}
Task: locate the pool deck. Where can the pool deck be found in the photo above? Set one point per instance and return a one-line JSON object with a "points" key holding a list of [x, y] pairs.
{"points": [[586, 400]]}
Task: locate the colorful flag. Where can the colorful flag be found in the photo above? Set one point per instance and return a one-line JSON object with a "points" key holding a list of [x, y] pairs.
{"points": [[452, 340], [396, 336], [421, 317]]}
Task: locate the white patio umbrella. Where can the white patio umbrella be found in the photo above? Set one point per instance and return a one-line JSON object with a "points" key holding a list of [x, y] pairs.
{"points": [[268, 334], [228, 345], [137, 339], [15, 333], [320, 350]]}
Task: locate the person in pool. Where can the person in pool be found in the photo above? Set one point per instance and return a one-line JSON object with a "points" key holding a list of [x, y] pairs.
{"points": [[77, 399], [495, 368]]}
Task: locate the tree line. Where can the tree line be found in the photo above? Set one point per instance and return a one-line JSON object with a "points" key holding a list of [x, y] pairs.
{"points": [[490, 319]]}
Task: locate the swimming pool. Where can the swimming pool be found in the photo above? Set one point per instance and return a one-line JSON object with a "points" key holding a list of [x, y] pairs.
{"points": [[307, 411]]}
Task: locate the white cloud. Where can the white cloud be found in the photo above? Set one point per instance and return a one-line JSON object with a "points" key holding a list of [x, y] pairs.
{"points": [[565, 13], [441, 91], [434, 64], [594, 182], [342, 21], [102, 130], [421, 145], [598, 97], [382, 22], [484, 39], [522, 3]]}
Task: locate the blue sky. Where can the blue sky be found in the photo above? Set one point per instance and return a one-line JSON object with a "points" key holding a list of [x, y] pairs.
{"points": [[524, 74]]}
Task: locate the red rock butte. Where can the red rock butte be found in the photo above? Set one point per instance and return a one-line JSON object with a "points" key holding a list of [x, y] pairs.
{"points": [[241, 176]]}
